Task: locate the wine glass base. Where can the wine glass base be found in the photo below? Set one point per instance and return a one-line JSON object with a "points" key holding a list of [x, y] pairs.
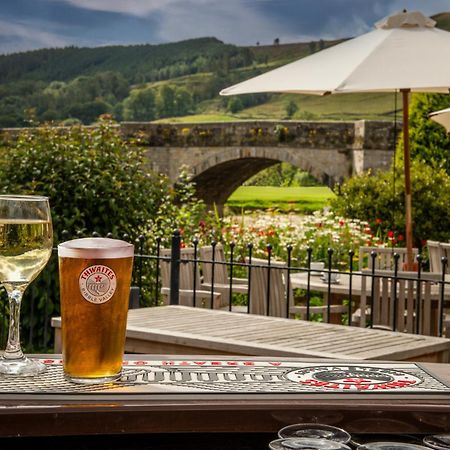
{"points": [[24, 367]]}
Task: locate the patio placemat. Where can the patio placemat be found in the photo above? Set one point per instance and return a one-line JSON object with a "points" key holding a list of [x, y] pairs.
{"points": [[240, 377]]}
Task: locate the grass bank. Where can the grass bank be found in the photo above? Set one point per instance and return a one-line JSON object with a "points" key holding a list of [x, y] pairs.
{"points": [[298, 199]]}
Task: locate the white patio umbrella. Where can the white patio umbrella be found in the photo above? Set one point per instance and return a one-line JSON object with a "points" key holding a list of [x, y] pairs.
{"points": [[442, 117], [404, 53]]}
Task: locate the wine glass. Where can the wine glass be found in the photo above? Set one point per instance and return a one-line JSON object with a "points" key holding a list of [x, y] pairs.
{"points": [[26, 240]]}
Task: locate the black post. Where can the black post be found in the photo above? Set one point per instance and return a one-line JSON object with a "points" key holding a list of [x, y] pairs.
{"points": [[269, 256], [419, 296], [158, 256], [141, 240], [194, 294], [175, 269], [441, 299], [230, 298], [250, 249], [395, 300], [308, 290], [213, 267], [288, 281], [351, 254], [330, 256], [373, 256]]}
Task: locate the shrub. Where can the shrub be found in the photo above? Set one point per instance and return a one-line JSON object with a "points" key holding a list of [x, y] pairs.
{"points": [[373, 198], [96, 181]]}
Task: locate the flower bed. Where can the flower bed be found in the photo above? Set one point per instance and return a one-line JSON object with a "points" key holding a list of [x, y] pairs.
{"points": [[319, 231]]}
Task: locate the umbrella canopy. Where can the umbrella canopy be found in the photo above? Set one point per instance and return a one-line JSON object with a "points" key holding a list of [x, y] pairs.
{"points": [[405, 52], [442, 117]]}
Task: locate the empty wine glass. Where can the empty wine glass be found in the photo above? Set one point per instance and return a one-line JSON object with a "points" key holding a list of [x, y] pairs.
{"points": [[438, 441], [390, 446], [304, 443], [315, 430], [26, 240]]}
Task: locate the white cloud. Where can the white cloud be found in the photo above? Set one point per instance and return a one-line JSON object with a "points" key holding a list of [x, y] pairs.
{"points": [[132, 7], [20, 36], [233, 21]]}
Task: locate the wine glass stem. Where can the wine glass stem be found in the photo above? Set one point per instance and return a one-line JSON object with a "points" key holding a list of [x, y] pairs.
{"points": [[13, 349]]}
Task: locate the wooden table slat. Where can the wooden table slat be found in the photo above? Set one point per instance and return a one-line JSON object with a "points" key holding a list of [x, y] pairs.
{"points": [[174, 328]]}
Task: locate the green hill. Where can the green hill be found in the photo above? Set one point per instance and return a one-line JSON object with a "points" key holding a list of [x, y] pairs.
{"points": [[177, 81]]}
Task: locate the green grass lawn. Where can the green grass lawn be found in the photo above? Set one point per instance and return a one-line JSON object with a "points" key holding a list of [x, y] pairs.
{"points": [[299, 199]]}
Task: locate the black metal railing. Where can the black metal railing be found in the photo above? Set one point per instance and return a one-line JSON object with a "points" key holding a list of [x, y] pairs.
{"points": [[164, 278]]}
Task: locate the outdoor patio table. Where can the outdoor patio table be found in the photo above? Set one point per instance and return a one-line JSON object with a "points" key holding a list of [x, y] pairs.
{"points": [[186, 330], [188, 397], [338, 291], [341, 290]]}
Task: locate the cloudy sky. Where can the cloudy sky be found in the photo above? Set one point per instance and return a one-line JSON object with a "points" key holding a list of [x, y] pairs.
{"points": [[32, 24]]}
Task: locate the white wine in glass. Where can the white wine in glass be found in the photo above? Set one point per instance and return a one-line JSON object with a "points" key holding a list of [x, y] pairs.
{"points": [[26, 240]]}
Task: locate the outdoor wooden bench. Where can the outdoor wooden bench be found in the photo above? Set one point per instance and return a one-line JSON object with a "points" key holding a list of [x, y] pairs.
{"points": [[186, 330]]}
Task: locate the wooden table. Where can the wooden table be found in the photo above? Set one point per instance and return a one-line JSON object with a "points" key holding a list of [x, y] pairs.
{"points": [[186, 330], [160, 414], [300, 280]]}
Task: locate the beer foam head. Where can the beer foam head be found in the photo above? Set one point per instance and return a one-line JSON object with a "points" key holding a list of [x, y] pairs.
{"points": [[95, 248]]}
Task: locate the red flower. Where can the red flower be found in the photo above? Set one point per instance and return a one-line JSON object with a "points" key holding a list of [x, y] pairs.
{"points": [[390, 234], [400, 237], [341, 223], [378, 221]]}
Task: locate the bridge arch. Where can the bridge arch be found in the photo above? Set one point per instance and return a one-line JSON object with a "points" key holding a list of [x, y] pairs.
{"points": [[222, 156], [219, 174]]}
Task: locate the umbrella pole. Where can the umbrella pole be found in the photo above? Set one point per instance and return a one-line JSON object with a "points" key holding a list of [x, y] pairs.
{"points": [[408, 203]]}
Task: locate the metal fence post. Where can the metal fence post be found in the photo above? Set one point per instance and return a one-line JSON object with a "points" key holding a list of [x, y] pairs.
{"points": [[175, 269]]}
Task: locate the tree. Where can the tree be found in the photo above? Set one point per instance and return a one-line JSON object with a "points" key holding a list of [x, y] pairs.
{"points": [[88, 112], [183, 102], [381, 196], [235, 105], [140, 105], [429, 141], [291, 108], [276, 41], [165, 101]]}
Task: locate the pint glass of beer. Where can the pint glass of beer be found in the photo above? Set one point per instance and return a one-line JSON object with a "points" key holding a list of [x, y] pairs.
{"points": [[95, 276]]}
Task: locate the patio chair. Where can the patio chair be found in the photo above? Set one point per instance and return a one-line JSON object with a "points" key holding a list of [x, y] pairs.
{"points": [[399, 297], [385, 257], [222, 281], [435, 253], [188, 270], [276, 287]]}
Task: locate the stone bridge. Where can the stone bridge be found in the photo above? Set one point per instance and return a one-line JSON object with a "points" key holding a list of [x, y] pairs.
{"points": [[221, 156]]}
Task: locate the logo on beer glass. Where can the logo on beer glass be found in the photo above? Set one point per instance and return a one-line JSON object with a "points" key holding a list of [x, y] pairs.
{"points": [[98, 284]]}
